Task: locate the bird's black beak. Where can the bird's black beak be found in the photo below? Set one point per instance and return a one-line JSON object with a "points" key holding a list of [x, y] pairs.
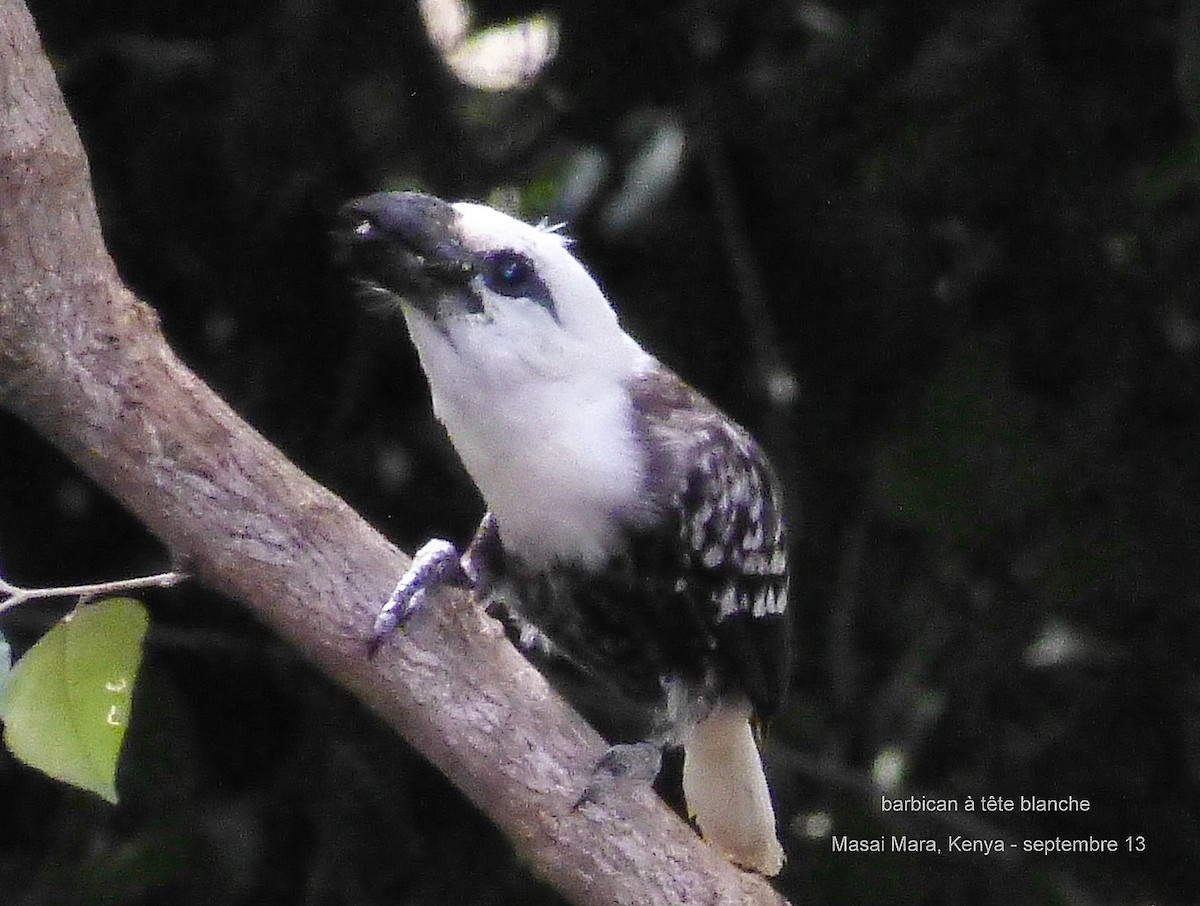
{"points": [[402, 243]]}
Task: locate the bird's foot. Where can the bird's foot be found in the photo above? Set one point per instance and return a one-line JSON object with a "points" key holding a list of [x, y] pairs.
{"points": [[436, 563]]}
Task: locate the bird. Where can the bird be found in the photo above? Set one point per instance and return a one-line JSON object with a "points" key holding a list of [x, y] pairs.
{"points": [[633, 530]]}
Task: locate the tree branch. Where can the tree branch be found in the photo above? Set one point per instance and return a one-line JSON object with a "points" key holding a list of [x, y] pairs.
{"points": [[83, 362]]}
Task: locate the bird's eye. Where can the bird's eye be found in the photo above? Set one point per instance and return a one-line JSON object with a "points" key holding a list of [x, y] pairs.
{"points": [[509, 274]]}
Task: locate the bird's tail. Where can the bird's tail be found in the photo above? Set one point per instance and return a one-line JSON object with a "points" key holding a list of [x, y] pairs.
{"points": [[726, 789]]}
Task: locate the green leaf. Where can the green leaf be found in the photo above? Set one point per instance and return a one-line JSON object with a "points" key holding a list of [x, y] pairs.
{"points": [[66, 702]]}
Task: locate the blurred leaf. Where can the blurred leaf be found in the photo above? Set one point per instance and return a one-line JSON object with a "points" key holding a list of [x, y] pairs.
{"points": [[66, 702], [971, 460], [1187, 59], [1176, 172], [542, 192]]}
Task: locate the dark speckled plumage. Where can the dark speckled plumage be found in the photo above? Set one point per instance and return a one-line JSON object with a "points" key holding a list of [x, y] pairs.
{"points": [[667, 606]]}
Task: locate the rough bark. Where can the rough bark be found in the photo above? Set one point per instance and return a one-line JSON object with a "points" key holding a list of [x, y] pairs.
{"points": [[83, 362]]}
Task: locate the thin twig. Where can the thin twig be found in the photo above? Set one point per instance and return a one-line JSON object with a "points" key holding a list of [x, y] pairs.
{"points": [[15, 594]]}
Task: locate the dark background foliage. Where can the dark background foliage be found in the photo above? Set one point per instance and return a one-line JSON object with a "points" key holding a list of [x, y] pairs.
{"points": [[941, 256]]}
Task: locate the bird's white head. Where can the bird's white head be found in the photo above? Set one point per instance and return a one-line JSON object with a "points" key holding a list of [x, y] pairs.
{"points": [[485, 292], [528, 367]]}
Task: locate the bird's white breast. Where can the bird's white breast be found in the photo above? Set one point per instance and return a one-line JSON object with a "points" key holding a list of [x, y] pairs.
{"points": [[556, 458], [556, 469]]}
